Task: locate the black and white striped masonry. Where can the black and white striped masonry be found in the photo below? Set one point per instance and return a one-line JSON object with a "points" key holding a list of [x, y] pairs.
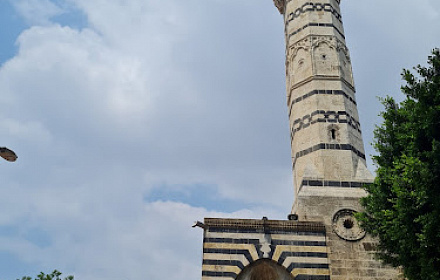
{"points": [[231, 245], [326, 138], [321, 240], [328, 156]]}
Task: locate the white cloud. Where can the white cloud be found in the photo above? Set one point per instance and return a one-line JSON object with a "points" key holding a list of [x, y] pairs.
{"points": [[129, 107], [72, 75], [37, 12], [26, 130], [173, 95], [111, 238]]}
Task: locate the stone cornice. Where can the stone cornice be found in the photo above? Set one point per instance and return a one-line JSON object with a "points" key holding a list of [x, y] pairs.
{"points": [[282, 225]]}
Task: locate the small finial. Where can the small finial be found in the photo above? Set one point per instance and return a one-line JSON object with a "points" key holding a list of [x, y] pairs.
{"points": [[280, 5]]}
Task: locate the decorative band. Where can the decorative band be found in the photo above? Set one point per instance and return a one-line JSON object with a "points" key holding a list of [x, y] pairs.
{"points": [[321, 116], [233, 275], [219, 274], [287, 1], [261, 226], [312, 7], [312, 24], [238, 264], [274, 242], [327, 92], [246, 253], [299, 243], [326, 146], [335, 184], [232, 241], [312, 277], [286, 254], [311, 231], [307, 265]]}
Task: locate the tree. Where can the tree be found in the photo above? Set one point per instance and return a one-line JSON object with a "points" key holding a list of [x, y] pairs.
{"points": [[55, 275], [402, 208]]}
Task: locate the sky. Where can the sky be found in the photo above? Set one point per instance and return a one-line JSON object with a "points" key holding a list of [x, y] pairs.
{"points": [[133, 118]]}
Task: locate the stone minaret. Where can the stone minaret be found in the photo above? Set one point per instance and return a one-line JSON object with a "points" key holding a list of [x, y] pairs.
{"points": [[321, 240], [327, 148]]}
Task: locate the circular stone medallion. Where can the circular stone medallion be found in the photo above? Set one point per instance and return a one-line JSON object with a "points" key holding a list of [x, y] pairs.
{"points": [[346, 226]]}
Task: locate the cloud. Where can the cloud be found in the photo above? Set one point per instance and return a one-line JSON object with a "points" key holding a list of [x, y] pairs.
{"points": [[110, 120], [105, 239], [158, 113], [64, 67], [37, 12], [26, 130], [384, 37]]}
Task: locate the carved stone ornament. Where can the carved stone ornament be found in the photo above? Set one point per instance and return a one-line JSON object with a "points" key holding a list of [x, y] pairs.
{"points": [[280, 5], [330, 40], [346, 226], [301, 44], [342, 48]]}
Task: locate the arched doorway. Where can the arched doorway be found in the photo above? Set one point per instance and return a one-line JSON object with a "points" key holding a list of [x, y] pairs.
{"points": [[264, 269]]}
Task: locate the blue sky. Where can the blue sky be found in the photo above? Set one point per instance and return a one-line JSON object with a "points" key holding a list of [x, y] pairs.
{"points": [[134, 118], [11, 26]]}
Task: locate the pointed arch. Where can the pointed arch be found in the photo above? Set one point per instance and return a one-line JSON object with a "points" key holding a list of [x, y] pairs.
{"points": [[264, 269], [300, 64], [345, 64], [325, 58]]}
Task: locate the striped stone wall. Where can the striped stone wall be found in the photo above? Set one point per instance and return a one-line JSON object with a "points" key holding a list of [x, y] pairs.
{"points": [[231, 245]]}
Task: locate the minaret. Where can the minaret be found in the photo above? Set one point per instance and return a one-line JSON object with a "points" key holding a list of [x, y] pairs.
{"points": [[321, 239], [327, 149]]}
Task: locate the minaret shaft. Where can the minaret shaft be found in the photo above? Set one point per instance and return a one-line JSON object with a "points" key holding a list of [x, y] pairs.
{"points": [[328, 154]]}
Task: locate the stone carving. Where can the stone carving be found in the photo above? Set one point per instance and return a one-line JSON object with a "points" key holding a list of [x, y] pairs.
{"points": [[301, 44], [265, 245], [299, 62], [325, 56], [332, 41], [346, 226], [345, 63], [280, 5], [330, 57]]}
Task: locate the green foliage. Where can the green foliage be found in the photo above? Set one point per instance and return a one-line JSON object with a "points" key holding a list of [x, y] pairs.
{"points": [[402, 208], [55, 275]]}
